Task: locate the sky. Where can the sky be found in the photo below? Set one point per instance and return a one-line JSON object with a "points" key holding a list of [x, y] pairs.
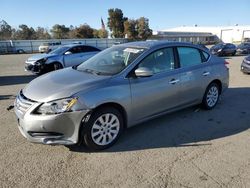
{"points": [[162, 14]]}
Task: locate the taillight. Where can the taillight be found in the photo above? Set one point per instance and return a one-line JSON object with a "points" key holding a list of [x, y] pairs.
{"points": [[226, 63]]}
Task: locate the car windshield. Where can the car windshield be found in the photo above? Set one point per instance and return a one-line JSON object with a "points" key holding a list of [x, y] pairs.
{"points": [[59, 50], [111, 61]]}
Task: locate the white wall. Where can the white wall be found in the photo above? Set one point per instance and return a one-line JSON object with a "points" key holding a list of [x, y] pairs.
{"points": [[225, 33]]}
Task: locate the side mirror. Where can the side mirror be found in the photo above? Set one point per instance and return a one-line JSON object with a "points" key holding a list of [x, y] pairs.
{"points": [[143, 72], [68, 53]]}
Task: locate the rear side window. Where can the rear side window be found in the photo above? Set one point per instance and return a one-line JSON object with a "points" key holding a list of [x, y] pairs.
{"points": [[189, 56], [205, 56]]}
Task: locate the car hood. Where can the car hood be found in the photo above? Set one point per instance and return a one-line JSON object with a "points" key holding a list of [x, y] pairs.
{"points": [[40, 56], [61, 84], [247, 58]]}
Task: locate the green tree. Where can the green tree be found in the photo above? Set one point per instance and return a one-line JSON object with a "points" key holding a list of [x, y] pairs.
{"points": [[103, 33], [25, 33], [5, 30], [42, 33], [116, 22], [143, 28], [130, 29], [84, 31], [60, 31]]}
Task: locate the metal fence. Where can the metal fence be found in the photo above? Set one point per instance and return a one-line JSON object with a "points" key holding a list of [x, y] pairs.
{"points": [[31, 46]]}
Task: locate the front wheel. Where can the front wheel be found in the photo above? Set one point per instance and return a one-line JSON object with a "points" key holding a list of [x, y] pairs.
{"points": [[57, 66], [103, 128], [211, 96]]}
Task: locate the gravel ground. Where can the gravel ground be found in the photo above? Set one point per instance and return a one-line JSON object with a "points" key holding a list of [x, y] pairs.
{"points": [[189, 148]]}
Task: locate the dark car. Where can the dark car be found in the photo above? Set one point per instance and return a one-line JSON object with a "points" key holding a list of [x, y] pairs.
{"points": [[203, 46], [223, 49], [243, 48], [245, 65]]}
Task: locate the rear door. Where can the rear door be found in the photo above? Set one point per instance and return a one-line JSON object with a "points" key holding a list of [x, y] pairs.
{"points": [[158, 93], [88, 52], [194, 74]]}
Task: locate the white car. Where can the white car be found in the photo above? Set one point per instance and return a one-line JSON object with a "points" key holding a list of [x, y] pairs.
{"points": [[48, 46]]}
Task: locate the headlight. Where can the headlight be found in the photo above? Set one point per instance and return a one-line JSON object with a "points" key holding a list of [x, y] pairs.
{"points": [[59, 106], [219, 50], [41, 61]]}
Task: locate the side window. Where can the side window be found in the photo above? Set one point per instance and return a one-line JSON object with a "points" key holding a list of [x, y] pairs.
{"points": [[205, 56], [189, 56], [159, 61], [89, 49], [75, 50]]}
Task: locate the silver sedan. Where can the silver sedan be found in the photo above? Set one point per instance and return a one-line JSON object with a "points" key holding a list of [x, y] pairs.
{"points": [[119, 87]]}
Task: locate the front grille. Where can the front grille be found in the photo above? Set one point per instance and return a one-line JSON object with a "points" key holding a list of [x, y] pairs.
{"points": [[22, 103]]}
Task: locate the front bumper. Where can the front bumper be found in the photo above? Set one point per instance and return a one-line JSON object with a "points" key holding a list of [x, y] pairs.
{"points": [[245, 67], [34, 68], [47, 129]]}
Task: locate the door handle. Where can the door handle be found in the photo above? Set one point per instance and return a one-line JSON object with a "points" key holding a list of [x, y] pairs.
{"points": [[174, 81], [206, 73]]}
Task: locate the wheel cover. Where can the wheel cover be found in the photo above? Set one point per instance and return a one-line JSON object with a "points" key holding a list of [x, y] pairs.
{"points": [[212, 96], [105, 129]]}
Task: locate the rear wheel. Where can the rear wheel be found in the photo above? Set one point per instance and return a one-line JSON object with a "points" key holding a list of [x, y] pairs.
{"points": [[103, 128], [211, 96]]}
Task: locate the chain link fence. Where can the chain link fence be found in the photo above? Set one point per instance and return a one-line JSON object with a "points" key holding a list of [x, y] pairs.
{"points": [[32, 46]]}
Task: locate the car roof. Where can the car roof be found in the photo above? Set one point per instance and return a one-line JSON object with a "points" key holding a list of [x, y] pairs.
{"points": [[153, 44], [73, 45]]}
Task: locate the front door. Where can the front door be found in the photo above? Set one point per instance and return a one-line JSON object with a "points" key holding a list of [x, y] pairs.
{"points": [[158, 93]]}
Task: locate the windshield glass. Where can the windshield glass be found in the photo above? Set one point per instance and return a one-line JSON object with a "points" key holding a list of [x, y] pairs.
{"points": [[59, 50], [111, 61]]}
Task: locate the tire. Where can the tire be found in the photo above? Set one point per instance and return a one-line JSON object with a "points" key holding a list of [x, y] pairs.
{"points": [[57, 66], [102, 129], [211, 96]]}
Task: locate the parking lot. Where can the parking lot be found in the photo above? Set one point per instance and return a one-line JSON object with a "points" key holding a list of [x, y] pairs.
{"points": [[189, 148]]}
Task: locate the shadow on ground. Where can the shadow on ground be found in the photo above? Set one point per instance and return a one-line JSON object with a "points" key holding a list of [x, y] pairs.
{"points": [[189, 127], [6, 97], [14, 80]]}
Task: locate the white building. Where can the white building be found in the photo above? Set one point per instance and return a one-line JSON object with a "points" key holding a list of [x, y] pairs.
{"points": [[230, 34]]}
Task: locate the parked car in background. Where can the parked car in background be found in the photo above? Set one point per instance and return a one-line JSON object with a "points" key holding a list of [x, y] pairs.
{"points": [[64, 56], [245, 65], [203, 46], [223, 49], [243, 48], [120, 87], [48, 46]]}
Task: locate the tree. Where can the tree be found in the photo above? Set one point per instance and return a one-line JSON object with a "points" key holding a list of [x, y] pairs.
{"points": [[42, 33], [60, 31], [84, 31], [143, 28], [116, 22], [5, 30], [103, 33], [130, 29], [25, 33]]}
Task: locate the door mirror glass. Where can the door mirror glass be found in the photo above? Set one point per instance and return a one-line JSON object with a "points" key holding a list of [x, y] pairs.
{"points": [[68, 53], [143, 72]]}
